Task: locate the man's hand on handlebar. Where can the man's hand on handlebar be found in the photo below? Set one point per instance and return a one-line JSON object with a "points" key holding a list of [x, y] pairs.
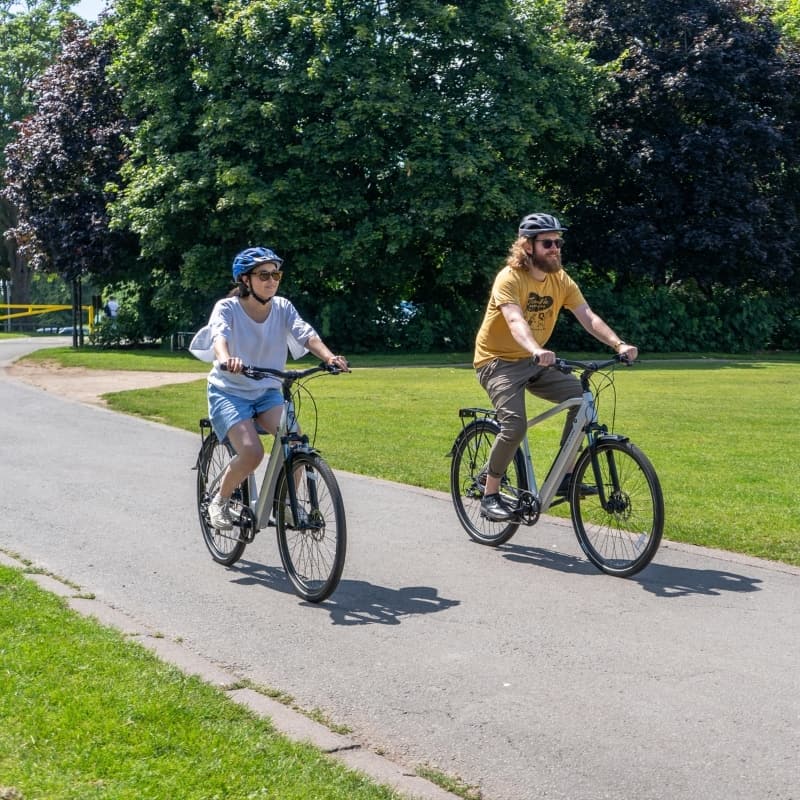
{"points": [[544, 358]]}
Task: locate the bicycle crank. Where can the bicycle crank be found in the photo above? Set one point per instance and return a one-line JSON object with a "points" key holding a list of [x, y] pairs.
{"points": [[528, 510], [247, 525]]}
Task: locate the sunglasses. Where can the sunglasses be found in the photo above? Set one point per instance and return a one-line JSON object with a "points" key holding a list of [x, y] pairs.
{"points": [[548, 243], [266, 275]]}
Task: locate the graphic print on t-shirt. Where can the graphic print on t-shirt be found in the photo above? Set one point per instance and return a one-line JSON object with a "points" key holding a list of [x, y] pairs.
{"points": [[537, 310]]}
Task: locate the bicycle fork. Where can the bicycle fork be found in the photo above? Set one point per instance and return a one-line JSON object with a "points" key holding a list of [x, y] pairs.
{"points": [[613, 502], [294, 446]]}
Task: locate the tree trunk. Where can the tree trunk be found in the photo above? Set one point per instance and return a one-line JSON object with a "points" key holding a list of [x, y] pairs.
{"points": [[18, 271]]}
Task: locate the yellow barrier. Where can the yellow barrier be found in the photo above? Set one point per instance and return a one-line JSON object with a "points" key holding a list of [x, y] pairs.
{"points": [[33, 309]]}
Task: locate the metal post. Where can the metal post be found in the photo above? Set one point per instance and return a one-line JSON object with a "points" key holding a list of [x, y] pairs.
{"points": [[75, 312], [80, 311], [7, 293]]}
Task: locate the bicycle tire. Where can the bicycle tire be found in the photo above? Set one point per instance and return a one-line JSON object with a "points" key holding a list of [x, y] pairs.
{"points": [[226, 547], [621, 538], [313, 554], [470, 457]]}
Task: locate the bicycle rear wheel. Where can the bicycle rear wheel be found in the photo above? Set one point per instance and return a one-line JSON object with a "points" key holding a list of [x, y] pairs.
{"points": [[467, 475], [313, 547], [619, 528], [226, 547]]}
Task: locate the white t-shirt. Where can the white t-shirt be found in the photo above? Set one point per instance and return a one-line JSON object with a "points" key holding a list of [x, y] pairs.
{"points": [[258, 344]]}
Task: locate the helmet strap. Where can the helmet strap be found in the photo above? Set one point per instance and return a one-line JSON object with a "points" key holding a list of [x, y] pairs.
{"points": [[261, 300], [252, 291]]}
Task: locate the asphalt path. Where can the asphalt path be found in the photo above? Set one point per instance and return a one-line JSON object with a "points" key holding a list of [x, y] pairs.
{"points": [[520, 669]]}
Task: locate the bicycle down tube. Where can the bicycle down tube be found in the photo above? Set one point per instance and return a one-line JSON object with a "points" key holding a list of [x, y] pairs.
{"points": [[567, 452], [278, 457]]}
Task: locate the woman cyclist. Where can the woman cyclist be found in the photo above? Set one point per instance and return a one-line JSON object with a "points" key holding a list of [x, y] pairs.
{"points": [[252, 325]]}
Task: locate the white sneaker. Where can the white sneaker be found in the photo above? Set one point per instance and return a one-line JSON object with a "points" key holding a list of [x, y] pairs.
{"points": [[219, 515]]}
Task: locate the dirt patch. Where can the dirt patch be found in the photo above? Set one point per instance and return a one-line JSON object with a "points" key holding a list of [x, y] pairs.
{"points": [[87, 385]]}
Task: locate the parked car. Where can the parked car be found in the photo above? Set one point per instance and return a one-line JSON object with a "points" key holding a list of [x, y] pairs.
{"points": [[70, 329]]}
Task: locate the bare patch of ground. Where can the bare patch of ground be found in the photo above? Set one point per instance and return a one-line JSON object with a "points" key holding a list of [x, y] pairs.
{"points": [[87, 385]]}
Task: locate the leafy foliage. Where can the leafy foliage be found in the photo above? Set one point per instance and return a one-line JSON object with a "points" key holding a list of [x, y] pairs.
{"points": [[63, 156], [787, 17], [694, 177], [29, 41], [680, 319], [386, 149]]}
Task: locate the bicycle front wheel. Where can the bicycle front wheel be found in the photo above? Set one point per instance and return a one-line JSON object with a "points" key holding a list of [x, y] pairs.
{"points": [[312, 545], [467, 477], [620, 527], [226, 547]]}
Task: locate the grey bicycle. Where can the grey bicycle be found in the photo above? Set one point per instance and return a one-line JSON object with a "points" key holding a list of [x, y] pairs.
{"points": [[618, 523], [298, 495]]}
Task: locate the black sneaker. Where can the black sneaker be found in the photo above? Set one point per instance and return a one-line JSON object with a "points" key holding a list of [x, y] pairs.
{"points": [[563, 489], [493, 507]]}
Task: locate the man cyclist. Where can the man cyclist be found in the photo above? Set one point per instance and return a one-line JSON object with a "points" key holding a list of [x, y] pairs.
{"points": [[527, 295]]}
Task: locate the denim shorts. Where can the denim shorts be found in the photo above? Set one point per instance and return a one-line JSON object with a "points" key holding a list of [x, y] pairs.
{"points": [[225, 410]]}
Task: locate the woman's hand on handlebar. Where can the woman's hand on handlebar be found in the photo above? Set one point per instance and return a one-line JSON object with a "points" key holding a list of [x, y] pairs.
{"points": [[338, 363], [231, 364]]}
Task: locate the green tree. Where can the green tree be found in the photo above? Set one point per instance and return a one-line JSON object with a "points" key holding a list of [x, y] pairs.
{"points": [[387, 148], [29, 41], [694, 176], [787, 17], [58, 166]]}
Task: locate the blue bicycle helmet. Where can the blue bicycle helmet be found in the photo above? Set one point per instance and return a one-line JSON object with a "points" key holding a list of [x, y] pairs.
{"points": [[252, 257], [534, 224]]}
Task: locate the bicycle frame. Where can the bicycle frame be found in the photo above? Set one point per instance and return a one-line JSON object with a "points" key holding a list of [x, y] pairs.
{"points": [[585, 427], [263, 497], [287, 443], [565, 458]]}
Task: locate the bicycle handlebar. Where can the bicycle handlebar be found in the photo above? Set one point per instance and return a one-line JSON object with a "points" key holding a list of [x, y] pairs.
{"points": [[259, 373], [567, 365]]}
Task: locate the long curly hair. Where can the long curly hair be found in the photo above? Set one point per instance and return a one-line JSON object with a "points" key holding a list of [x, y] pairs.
{"points": [[517, 258]]}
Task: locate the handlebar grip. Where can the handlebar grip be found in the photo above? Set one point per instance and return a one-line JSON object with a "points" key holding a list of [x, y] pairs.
{"points": [[332, 369]]}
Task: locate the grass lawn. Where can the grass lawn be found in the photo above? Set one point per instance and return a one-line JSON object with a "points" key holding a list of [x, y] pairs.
{"points": [[88, 714], [718, 431]]}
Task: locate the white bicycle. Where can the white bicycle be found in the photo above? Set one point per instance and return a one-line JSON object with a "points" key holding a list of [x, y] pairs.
{"points": [[619, 521], [298, 494]]}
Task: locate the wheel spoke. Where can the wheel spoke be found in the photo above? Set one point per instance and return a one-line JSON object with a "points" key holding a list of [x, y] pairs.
{"points": [[619, 528], [226, 547], [467, 478], [313, 547]]}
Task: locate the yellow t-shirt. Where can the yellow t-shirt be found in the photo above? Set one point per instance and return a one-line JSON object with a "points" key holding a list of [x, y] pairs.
{"points": [[540, 301]]}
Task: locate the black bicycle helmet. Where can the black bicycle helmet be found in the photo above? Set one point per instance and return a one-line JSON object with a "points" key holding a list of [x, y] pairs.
{"points": [[535, 224]]}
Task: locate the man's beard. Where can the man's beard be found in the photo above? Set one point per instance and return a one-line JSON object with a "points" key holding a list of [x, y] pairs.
{"points": [[545, 264]]}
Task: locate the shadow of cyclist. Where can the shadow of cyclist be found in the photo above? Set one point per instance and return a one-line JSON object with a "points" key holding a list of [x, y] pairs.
{"points": [[666, 581], [353, 602], [662, 580], [551, 559], [364, 603]]}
